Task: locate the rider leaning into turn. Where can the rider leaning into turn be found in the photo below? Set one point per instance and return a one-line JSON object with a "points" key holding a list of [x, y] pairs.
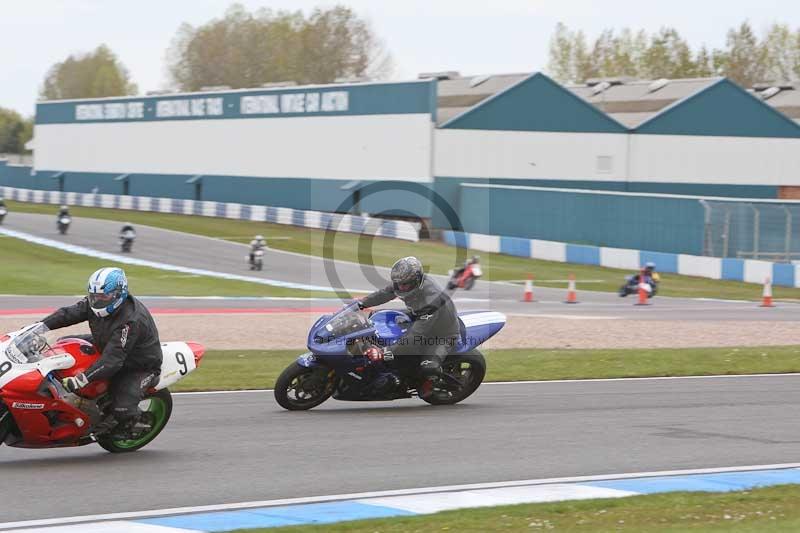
{"points": [[435, 326], [650, 274], [124, 331]]}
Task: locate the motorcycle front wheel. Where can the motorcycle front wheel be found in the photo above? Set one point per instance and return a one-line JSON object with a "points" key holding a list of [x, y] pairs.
{"points": [[469, 369], [6, 422], [300, 388], [160, 405]]}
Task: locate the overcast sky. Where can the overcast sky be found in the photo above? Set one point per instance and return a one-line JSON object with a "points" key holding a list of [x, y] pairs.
{"points": [[471, 36]]}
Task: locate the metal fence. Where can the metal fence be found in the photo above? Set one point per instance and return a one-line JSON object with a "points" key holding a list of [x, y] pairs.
{"points": [[752, 230]]}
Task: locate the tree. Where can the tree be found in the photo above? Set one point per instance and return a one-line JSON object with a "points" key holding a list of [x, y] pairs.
{"points": [[665, 54], [93, 75], [15, 131], [704, 63], [582, 58], [560, 65], [244, 49], [744, 58], [668, 56], [782, 51]]}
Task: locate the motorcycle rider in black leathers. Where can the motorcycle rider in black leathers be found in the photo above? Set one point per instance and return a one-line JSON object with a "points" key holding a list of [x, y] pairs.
{"points": [[435, 328], [124, 331]]}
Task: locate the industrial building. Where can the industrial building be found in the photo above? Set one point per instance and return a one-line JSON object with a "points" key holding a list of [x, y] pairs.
{"points": [[612, 162]]}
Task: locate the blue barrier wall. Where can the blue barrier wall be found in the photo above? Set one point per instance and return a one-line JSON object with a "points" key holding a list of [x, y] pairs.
{"points": [[620, 221]]}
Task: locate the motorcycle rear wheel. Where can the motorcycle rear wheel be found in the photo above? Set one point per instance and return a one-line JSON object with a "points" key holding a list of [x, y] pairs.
{"points": [[301, 388], [470, 368], [161, 407]]}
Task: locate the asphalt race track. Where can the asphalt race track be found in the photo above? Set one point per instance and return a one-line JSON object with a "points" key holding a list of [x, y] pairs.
{"points": [[233, 447], [222, 448], [223, 256]]}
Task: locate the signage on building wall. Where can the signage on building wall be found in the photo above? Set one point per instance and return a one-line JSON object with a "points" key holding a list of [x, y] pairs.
{"points": [[362, 99], [265, 104]]}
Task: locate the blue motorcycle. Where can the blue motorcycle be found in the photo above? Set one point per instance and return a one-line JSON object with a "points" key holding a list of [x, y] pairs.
{"points": [[335, 364]]}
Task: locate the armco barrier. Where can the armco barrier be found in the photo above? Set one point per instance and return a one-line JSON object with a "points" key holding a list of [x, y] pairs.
{"points": [[394, 229], [747, 270]]}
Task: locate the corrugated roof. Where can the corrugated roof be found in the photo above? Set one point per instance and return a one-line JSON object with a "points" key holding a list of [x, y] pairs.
{"points": [[459, 94], [787, 101], [633, 102], [630, 102]]}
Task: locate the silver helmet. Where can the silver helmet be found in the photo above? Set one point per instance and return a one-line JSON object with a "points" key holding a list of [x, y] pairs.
{"points": [[407, 275]]}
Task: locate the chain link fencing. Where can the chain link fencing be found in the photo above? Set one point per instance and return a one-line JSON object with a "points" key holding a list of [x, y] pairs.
{"points": [[752, 230]]}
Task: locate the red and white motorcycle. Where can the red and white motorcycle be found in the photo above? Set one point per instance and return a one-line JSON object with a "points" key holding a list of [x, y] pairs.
{"points": [[36, 411], [464, 278]]}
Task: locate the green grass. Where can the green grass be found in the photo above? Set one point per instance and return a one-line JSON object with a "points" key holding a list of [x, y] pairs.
{"points": [[437, 256], [770, 509], [258, 369], [33, 269]]}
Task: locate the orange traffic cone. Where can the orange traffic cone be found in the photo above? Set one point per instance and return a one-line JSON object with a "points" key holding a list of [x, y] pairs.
{"points": [[572, 294], [766, 296], [528, 294], [642, 291]]}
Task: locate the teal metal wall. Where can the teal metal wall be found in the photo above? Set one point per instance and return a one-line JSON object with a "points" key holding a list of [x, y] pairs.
{"points": [[361, 99], [722, 109], [637, 222], [299, 193], [537, 103], [449, 188]]}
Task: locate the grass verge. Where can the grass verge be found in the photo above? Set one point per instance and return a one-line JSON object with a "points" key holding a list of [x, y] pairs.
{"points": [[770, 509], [436, 255], [32, 269], [258, 369]]}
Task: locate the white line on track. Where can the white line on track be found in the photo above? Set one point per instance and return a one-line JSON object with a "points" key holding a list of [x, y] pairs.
{"points": [[545, 382], [382, 494]]}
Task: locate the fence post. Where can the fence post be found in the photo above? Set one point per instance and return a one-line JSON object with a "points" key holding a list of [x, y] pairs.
{"points": [[788, 234], [756, 228], [726, 232], [708, 242]]}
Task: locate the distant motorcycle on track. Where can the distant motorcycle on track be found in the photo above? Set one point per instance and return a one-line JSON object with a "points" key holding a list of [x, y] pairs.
{"points": [[3, 213], [335, 365], [464, 278], [63, 223], [36, 411], [256, 260], [631, 286], [126, 237]]}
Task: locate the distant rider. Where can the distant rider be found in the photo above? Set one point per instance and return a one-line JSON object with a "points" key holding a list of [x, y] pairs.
{"points": [[435, 327], [651, 277], [474, 260], [257, 244], [63, 211], [124, 331]]}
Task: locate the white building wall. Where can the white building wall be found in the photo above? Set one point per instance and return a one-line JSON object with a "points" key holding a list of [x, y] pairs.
{"points": [[342, 147], [617, 157], [530, 155], [717, 160]]}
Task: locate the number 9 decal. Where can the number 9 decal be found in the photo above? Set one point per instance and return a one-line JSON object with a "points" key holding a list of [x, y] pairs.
{"points": [[181, 361]]}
